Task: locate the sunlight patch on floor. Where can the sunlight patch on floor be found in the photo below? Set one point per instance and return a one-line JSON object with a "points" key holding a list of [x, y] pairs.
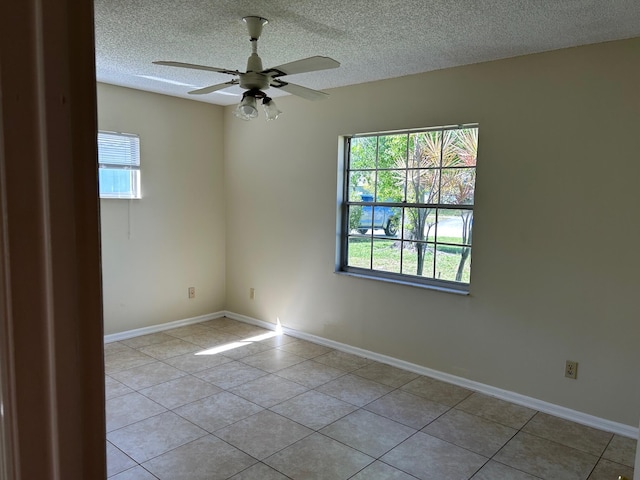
{"points": [[241, 343]]}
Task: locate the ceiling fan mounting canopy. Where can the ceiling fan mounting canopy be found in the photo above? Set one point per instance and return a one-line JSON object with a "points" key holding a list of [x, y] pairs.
{"points": [[254, 25], [256, 78]]}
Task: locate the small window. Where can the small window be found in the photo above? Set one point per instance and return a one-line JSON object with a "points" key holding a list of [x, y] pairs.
{"points": [[407, 206], [119, 165]]}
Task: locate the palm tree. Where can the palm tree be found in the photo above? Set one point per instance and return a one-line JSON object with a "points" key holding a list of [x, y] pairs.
{"points": [[428, 152], [440, 168], [463, 185]]}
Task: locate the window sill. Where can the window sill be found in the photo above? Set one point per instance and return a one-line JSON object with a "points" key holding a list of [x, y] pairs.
{"points": [[120, 198], [408, 283]]}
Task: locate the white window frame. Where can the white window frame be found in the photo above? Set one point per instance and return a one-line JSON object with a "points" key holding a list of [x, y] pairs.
{"points": [[120, 151], [345, 233]]}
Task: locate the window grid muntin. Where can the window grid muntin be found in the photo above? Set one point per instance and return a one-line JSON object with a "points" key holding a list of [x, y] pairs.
{"points": [[402, 277]]}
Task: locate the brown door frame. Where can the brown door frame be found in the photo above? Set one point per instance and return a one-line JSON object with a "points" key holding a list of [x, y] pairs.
{"points": [[51, 330]]}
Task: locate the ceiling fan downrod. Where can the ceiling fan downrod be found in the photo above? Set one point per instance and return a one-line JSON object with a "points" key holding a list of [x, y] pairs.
{"points": [[252, 78]]}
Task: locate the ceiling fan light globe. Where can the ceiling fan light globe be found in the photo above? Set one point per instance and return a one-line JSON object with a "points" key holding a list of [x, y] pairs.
{"points": [[245, 113], [247, 109], [271, 111], [240, 114]]}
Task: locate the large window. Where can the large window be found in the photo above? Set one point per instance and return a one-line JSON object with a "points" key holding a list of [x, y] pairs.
{"points": [[119, 165], [408, 206]]}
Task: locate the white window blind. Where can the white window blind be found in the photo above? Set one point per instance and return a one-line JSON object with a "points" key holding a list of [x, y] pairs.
{"points": [[119, 165]]}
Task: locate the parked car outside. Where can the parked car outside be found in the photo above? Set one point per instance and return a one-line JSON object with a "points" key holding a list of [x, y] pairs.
{"points": [[385, 218]]}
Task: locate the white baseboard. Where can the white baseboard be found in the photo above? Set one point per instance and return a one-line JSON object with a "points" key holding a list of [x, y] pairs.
{"points": [[525, 401], [114, 337]]}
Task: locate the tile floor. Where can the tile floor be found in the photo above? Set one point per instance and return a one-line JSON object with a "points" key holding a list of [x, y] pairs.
{"points": [[227, 400]]}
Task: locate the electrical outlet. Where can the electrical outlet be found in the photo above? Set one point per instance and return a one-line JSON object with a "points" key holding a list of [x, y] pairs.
{"points": [[252, 294], [192, 292], [571, 369]]}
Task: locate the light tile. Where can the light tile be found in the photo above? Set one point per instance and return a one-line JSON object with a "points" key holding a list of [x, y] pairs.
{"points": [[169, 349], [278, 340], [305, 349], [310, 374], [546, 459], [244, 330], [355, 390], [314, 409], [453, 443], [272, 360], [568, 433], [113, 388], [145, 340], [468, 431], [319, 458], [245, 349], [154, 436], [406, 408], [621, 450], [342, 360], [178, 392], [497, 471], [430, 458], [207, 458], [607, 470], [437, 391], [220, 322], [367, 432], [136, 473], [113, 347], [385, 374], [230, 374], [192, 363], [117, 461], [147, 375], [127, 409], [263, 434], [210, 338], [381, 471], [187, 330], [218, 411], [125, 358], [269, 390], [259, 471], [496, 410]]}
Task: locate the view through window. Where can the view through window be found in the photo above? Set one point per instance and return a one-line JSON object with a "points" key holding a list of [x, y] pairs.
{"points": [[408, 206]]}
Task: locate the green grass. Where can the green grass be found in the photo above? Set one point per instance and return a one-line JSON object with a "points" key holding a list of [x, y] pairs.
{"points": [[386, 256]]}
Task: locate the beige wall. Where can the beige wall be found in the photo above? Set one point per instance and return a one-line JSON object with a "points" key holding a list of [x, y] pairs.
{"points": [[555, 264], [153, 249], [636, 475]]}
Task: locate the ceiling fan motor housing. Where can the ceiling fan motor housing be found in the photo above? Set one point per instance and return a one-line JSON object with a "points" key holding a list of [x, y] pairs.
{"points": [[254, 80]]}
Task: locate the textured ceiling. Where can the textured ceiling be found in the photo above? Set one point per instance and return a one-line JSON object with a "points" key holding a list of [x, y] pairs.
{"points": [[372, 40]]}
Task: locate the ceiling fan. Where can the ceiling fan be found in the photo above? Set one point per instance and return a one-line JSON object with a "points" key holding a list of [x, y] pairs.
{"points": [[257, 79]]}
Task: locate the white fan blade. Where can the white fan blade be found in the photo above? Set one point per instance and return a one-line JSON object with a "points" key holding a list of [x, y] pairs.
{"points": [[311, 64], [197, 67], [213, 88], [298, 90]]}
